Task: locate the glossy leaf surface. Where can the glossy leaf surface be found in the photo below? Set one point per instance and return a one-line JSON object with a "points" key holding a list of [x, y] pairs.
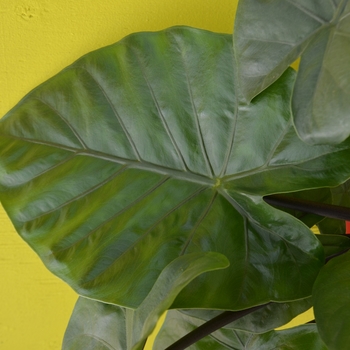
{"points": [[270, 35], [177, 325], [95, 325], [139, 153], [332, 302]]}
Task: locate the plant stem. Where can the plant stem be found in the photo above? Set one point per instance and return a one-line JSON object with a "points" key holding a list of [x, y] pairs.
{"points": [[328, 210], [211, 326]]}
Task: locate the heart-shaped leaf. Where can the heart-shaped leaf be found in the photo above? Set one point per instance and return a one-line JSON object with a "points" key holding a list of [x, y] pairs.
{"points": [[177, 325], [332, 302], [139, 153], [270, 35], [97, 325]]}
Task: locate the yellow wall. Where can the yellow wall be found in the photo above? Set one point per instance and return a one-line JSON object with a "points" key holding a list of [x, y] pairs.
{"points": [[37, 39]]}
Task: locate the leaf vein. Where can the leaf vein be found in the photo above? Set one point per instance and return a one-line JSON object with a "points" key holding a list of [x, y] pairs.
{"points": [[83, 194], [195, 113], [344, 17], [134, 202], [178, 206], [240, 209], [234, 128], [65, 120], [186, 176], [226, 345], [280, 139], [307, 12], [246, 257], [199, 221], [47, 170], [161, 115], [238, 338], [100, 340], [117, 115], [44, 143], [344, 34], [271, 41]]}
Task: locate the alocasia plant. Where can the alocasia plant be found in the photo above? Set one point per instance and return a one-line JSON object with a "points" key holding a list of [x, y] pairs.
{"points": [[138, 175]]}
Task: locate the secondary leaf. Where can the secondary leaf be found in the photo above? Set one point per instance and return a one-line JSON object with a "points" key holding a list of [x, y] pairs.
{"points": [[97, 325], [270, 35], [334, 243], [329, 226], [271, 316], [139, 153], [332, 302], [177, 325]]}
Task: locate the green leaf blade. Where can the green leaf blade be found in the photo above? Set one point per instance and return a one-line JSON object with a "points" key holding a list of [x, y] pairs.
{"points": [[331, 302], [269, 36], [321, 94], [104, 326]]}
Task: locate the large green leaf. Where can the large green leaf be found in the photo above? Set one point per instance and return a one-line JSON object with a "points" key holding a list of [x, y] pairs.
{"points": [[332, 302], [270, 35], [95, 325], [139, 153], [177, 325]]}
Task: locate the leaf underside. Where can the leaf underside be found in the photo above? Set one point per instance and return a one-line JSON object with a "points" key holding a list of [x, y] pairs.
{"points": [[139, 153], [177, 325]]}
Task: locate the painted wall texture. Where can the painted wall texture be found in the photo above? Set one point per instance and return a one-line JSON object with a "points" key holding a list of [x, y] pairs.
{"points": [[38, 38]]}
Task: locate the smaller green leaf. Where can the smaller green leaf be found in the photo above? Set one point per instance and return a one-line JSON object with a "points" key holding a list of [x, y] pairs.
{"points": [[271, 316], [271, 35], [334, 244], [332, 302], [177, 325], [95, 325]]}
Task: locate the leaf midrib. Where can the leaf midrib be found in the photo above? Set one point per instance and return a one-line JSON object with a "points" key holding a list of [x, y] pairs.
{"points": [[142, 165], [174, 173]]}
